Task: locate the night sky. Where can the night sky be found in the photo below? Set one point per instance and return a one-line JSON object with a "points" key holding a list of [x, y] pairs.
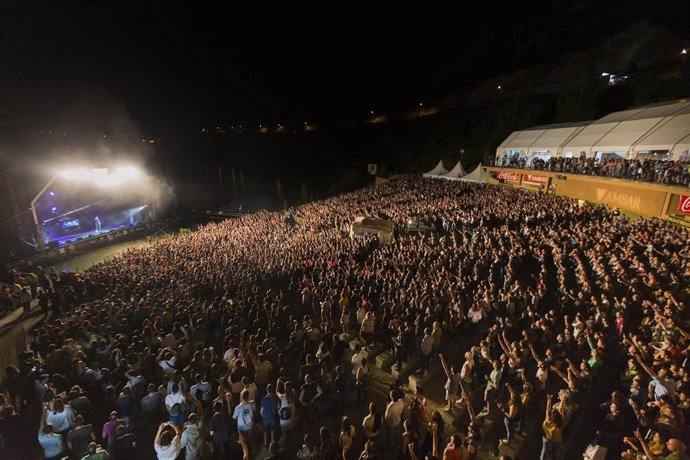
{"points": [[164, 69], [169, 62]]}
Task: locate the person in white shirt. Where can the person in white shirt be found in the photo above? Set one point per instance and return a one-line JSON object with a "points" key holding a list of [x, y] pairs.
{"points": [[393, 418], [244, 414], [595, 450], [175, 403], [200, 389], [231, 357], [356, 361], [167, 443], [61, 417], [166, 360]]}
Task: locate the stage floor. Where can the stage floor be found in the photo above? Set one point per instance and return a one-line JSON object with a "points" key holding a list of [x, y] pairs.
{"points": [[62, 241]]}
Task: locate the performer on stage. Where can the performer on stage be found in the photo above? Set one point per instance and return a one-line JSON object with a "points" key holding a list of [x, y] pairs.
{"points": [[97, 222]]}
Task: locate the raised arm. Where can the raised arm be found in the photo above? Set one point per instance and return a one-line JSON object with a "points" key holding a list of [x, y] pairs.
{"points": [[646, 368], [445, 365], [534, 354], [559, 373], [434, 449], [549, 397], [644, 445]]}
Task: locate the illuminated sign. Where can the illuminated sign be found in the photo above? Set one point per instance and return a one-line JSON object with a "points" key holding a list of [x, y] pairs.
{"points": [[684, 204], [534, 179], [508, 176]]}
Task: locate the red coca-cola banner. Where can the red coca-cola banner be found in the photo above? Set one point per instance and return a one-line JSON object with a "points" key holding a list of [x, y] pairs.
{"points": [[684, 204], [508, 176], [534, 179]]}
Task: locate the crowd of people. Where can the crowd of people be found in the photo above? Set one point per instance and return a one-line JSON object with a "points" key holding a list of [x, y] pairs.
{"points": [[231, 341], [662, 171]]}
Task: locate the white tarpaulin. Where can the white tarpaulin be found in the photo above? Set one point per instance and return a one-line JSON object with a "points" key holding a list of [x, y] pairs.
{"points": [[523, 140], [668, 135], [477, 175], [552, 139], [437, 171], [455, 173], [585, 139], [664, 126], [628, 132]]}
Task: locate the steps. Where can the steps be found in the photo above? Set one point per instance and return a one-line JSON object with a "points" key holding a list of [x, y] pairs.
{"points": [[414, 380], [408, 367], [385, 360]]}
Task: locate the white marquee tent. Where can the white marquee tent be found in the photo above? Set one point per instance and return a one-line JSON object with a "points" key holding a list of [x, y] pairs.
{"points": [[477, 175], [438, 170], [455, 173], [625, 134]]}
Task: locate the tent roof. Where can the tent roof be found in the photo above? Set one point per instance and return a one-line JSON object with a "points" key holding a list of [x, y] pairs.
{"points": [[553, 138], [524, 139], [508, 140], [438, 170], [587, 137], [622, 137], [661, 126], [669, 133], [476, 175], [456, 172]]}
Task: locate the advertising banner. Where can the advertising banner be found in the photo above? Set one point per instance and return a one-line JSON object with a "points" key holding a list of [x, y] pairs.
{"points": [[534, 179], [684, 204], [508, 176]]}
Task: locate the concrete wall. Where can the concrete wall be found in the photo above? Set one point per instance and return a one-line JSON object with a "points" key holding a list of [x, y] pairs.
{"points": [[646, 199]]}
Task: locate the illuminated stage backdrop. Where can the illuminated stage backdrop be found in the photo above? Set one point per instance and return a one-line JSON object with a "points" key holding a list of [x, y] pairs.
{"points": [[85, 202]]}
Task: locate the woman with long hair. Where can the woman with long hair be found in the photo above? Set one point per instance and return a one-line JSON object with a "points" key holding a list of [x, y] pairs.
{"points": [[511, 414], [371, 425], [61, 417], [347, 435]]}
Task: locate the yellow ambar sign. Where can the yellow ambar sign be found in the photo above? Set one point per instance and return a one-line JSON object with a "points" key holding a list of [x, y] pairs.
{"points": [[620, 199]]}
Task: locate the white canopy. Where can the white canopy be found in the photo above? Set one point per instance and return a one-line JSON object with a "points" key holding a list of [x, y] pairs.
{"points": [[550, 142], [455, 173], [629, 131], [477, 175], [522, 140], [671, 134], [664, 126], [437, 171]]}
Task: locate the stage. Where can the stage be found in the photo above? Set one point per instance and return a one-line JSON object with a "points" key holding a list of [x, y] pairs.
{"points": [[84, 236]]}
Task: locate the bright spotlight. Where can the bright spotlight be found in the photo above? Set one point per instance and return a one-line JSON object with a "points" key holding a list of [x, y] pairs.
{"points": [[103, 177]]}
